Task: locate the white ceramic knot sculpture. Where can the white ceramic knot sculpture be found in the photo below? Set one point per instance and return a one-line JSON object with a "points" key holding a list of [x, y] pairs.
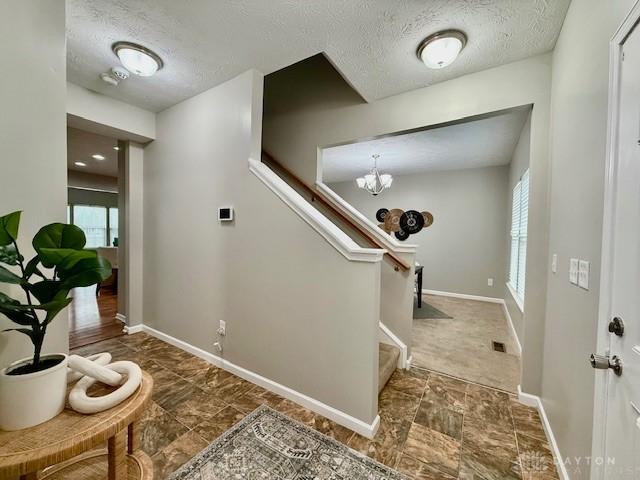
{"points": [[127, 375]]}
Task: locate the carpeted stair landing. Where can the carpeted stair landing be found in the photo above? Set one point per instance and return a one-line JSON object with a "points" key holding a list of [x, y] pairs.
{"points": [[387, 363]]}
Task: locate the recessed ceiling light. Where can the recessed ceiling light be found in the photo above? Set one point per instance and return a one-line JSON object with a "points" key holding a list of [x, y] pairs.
{"points": [[137, 59], [97, 156], [116, 148], [441, 48], [80, 164]]}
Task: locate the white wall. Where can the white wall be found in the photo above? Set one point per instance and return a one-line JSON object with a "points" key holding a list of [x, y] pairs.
{"points": [[519, 164], [98, 113], [466, 244], [579, 126], [297, 311], [327, 115], [33, 137]]}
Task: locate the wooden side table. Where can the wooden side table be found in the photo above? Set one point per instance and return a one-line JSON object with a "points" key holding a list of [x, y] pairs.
{"points": [[71, 445]]}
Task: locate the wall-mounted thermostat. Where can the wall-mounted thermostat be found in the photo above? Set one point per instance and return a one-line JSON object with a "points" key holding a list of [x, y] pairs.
{"points": [[225, 214]]}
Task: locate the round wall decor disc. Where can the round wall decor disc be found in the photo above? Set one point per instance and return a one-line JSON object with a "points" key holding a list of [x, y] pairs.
{"points": [[383, 227], [402, 235], [411, 221], [380, 214], [428, 219], [392, 219]]}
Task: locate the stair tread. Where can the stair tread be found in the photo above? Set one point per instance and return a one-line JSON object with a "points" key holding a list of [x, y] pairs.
{"points": [[387, 362]]}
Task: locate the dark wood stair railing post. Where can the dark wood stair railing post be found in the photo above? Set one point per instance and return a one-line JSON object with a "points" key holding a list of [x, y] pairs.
{"points": [[398, 263]]}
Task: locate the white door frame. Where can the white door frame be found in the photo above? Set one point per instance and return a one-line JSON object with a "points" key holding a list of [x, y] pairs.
{"points": [[598, 449]]}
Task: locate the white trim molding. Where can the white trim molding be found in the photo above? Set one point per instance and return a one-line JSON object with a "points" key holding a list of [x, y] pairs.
{"points": [[121, 318], [365, 429], [388, 241], [321, 224], [130, 330], [392, 338], [516, 298], [463, 296], [478, 298], [535, 402], [512, 328]]}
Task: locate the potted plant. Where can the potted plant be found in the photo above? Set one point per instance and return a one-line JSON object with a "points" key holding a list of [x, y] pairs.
{"points": [[33, 390]]}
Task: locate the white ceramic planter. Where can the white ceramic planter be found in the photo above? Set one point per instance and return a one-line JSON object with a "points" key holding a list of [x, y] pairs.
{"points": [[34, 398]]}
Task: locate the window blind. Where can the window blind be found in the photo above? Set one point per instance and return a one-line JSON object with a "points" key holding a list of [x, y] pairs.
{"points": [[519, 226]]}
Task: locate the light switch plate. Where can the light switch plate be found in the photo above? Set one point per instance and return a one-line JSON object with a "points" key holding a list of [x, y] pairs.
{"points": [[554, 263], [583, 274], [490, 282], [573, 270]]}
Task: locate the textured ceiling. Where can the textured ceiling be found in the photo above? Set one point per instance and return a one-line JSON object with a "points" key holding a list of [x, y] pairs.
{"points": [[478, 143], [372, 42], [81, 145]]}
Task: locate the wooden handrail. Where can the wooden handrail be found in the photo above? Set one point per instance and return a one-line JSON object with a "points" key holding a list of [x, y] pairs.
{"points": [[315, 194]]}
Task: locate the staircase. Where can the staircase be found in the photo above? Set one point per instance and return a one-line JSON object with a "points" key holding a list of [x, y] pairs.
{"points": [[387, 362]]}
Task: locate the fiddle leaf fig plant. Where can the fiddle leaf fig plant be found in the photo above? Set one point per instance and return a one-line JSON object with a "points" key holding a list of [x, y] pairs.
{"points": [[61, 264]]}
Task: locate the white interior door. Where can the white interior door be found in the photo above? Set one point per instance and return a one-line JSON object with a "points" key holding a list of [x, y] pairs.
{"points": [[622, 428]]}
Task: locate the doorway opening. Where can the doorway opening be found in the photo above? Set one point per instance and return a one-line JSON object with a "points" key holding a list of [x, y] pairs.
{"points": [[93, 206], [459, 192]]}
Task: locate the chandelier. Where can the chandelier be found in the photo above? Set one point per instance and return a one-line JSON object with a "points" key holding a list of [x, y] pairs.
{"points": [[374, 182]]}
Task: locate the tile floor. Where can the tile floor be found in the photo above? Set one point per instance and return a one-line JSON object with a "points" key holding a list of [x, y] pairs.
{"points": [[432, 426], [461, 346]]}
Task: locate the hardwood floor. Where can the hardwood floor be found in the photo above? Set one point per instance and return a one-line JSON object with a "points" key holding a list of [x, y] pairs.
{"points": [[93, 319]]}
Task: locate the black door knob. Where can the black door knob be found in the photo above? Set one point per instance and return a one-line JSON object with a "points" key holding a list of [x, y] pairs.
{"points": [[616, 326]]}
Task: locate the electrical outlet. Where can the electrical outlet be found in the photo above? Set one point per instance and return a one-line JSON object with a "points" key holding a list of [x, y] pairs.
{"points": [[583, 274], [554, 263], [490, 282], [222, 329], [573, 270]]}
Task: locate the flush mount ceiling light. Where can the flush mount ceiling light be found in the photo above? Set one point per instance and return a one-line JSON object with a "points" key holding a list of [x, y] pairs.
{"points": [[116, 148], [80, 164], [441, 48], [97, 156], [137, 59], [374, 182]]}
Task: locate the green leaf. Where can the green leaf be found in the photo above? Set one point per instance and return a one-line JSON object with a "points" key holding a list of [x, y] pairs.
{"points": [[8, 308], [9, 228], [86, 272], [51, 314], [9, 255], [7, 276], [63, 258], [48, 290], [59, 235], [26, 331], [48, 307], [32, 267]]}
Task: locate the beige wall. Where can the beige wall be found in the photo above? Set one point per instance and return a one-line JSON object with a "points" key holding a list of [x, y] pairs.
{"points": [[519, 164], [302, 116], [466, 244], [92, 181], [579, 125], [33, 137], [297, 311]]}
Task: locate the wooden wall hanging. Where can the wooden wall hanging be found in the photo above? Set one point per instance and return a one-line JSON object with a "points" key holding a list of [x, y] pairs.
{"points": [[403, 224]]}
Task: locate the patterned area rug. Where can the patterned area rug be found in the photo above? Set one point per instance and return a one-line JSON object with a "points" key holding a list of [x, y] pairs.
{"points": [[267, 445], [427, 311]]}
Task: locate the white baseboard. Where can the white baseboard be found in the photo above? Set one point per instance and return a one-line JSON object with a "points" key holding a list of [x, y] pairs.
{"points": [[342, 418], [409, 362], [462, 295], [536, 402], [514, 334], [121, 318], [130, 330], [483, 299], [395, 341]]}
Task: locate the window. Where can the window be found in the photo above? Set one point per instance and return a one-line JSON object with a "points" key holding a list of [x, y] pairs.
{"points": [[113, 226], [99, 224], [519, 221]]}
